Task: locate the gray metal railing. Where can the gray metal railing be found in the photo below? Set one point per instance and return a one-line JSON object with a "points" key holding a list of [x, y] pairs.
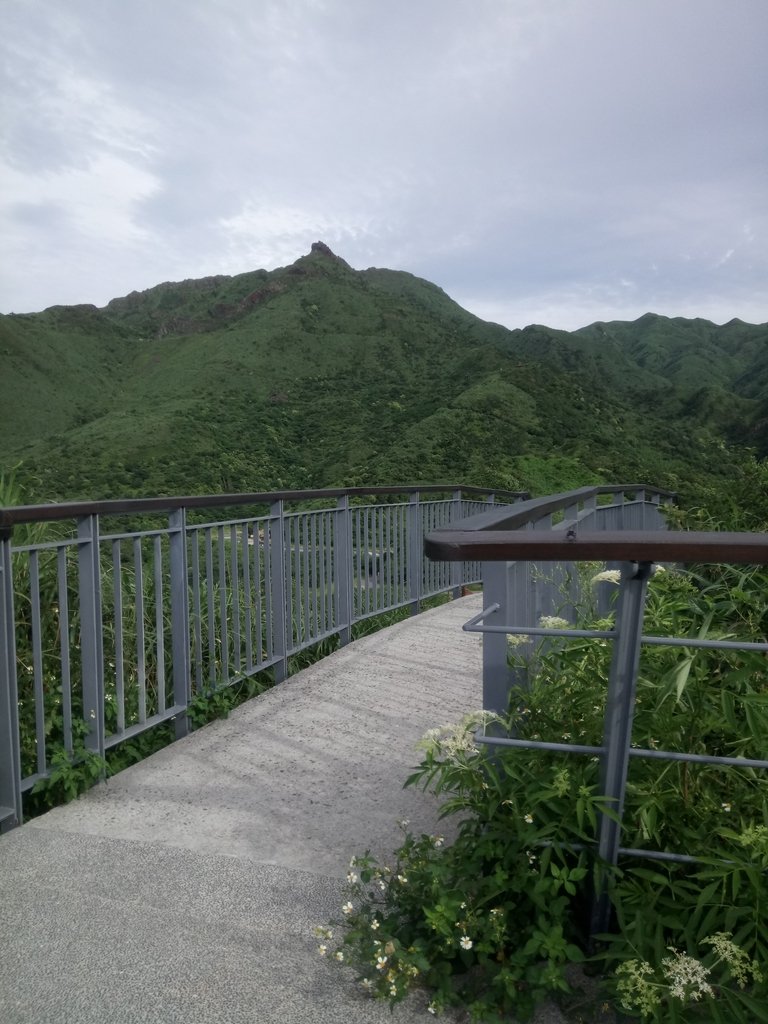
{"points": [[121, 613], [529, 560]]}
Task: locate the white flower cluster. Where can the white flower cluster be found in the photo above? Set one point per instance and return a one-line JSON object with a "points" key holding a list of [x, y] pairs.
{"points": [[454, 741], [554, 622], [608, 576], [687, 976]]}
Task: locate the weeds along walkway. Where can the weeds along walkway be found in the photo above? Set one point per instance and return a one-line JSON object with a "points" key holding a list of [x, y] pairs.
{"points": [[185, 888]]}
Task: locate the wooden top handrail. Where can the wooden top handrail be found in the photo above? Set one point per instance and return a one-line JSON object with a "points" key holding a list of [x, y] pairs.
{"points": [[16, 514], [498, 535], [536, 508], [606, 545]]}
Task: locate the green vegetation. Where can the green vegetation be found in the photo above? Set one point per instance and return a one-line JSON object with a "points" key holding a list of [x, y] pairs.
{"points": [[497, 920], [319, 375]]}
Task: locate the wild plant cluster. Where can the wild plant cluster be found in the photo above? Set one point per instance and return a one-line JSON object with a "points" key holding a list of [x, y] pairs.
{"points": [[492, 921]]}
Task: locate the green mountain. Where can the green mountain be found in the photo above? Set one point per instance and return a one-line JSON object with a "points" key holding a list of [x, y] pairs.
{"points": [[317, 375]]}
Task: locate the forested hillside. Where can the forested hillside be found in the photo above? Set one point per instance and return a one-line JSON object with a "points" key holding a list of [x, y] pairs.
{"points": [[317, 375]]}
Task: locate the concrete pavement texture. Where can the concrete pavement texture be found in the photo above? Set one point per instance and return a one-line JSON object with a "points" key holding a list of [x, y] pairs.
{"points": [[186, 888]]}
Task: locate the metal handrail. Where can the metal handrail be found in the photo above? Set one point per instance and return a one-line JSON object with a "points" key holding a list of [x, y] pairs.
{"points": [[505, 541], [120, 629], [17, 514]]}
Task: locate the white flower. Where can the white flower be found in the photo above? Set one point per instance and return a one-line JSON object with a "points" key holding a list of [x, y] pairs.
{"points": [[351, 877], [322, 949], [726, 808], [431, 1008], [528, 819], [465, 942], [381, 963], [553, 622], [339, 955], [402, 879], [404, 823], [687, 976], [382, 885], [367, 984], [514, 640], [608, 576], [347, 908], [374, 925], [438, 841], [393, 990]]}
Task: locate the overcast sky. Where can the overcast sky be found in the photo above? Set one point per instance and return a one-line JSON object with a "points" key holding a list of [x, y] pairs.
{"points": [[543, 161]]}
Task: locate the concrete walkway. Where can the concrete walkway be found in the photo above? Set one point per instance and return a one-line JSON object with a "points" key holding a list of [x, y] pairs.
{"points": [[186, 888]]}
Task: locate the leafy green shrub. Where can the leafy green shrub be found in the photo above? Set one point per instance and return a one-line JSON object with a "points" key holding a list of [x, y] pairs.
{"points": [[492, 920]]}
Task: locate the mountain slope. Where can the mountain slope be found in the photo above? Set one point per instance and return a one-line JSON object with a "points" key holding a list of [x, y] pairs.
{"points": [[316, 374]]}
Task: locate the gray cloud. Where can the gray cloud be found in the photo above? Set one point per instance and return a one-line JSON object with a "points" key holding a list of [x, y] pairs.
{"points": [[542, 158]]}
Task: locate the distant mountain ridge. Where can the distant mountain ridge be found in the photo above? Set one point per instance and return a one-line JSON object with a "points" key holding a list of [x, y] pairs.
{"points": [[316, 374]]}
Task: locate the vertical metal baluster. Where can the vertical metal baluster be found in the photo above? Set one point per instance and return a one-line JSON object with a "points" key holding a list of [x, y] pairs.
{"points": [[159, 623], [413, 552], [299, 625], [246, 539], [261, 583], [117, 601], [37, 661], [313, 521], [224, 620], [234, 573], [141, 667], [307, 583], [194, 539], [211, 605], [458, 570], [322, 579], [179, 589], [387, 556], [366, 549], [280, 588], [617, 729], [89, 578], [66, 672], [379, 563], [343, 570], [355, 563], [10, 758]]}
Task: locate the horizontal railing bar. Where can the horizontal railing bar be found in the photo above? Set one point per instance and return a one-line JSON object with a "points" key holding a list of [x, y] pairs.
{"points": [[678, 858], [51, 545], [605, 545], [134, 730], [725, 645], [161, 532], [500, 519], [472, 626], [565, 748], [10, 516], [670, 755], [660, 755]]}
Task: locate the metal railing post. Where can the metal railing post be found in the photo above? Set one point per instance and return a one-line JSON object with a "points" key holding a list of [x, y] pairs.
{"points": [[498, 589], [456, 568], [343, 568], [179, 591], [10, 763], [89, 580], [617, 730], [415, 556], [281, 589]]}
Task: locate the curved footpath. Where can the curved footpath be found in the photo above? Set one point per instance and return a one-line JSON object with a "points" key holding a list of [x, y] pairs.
{"points": [[186, 888]]}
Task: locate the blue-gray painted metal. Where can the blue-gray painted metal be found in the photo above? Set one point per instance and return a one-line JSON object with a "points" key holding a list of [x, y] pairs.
{"points": [[165, 614], [10, 765], [619, 712]]}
